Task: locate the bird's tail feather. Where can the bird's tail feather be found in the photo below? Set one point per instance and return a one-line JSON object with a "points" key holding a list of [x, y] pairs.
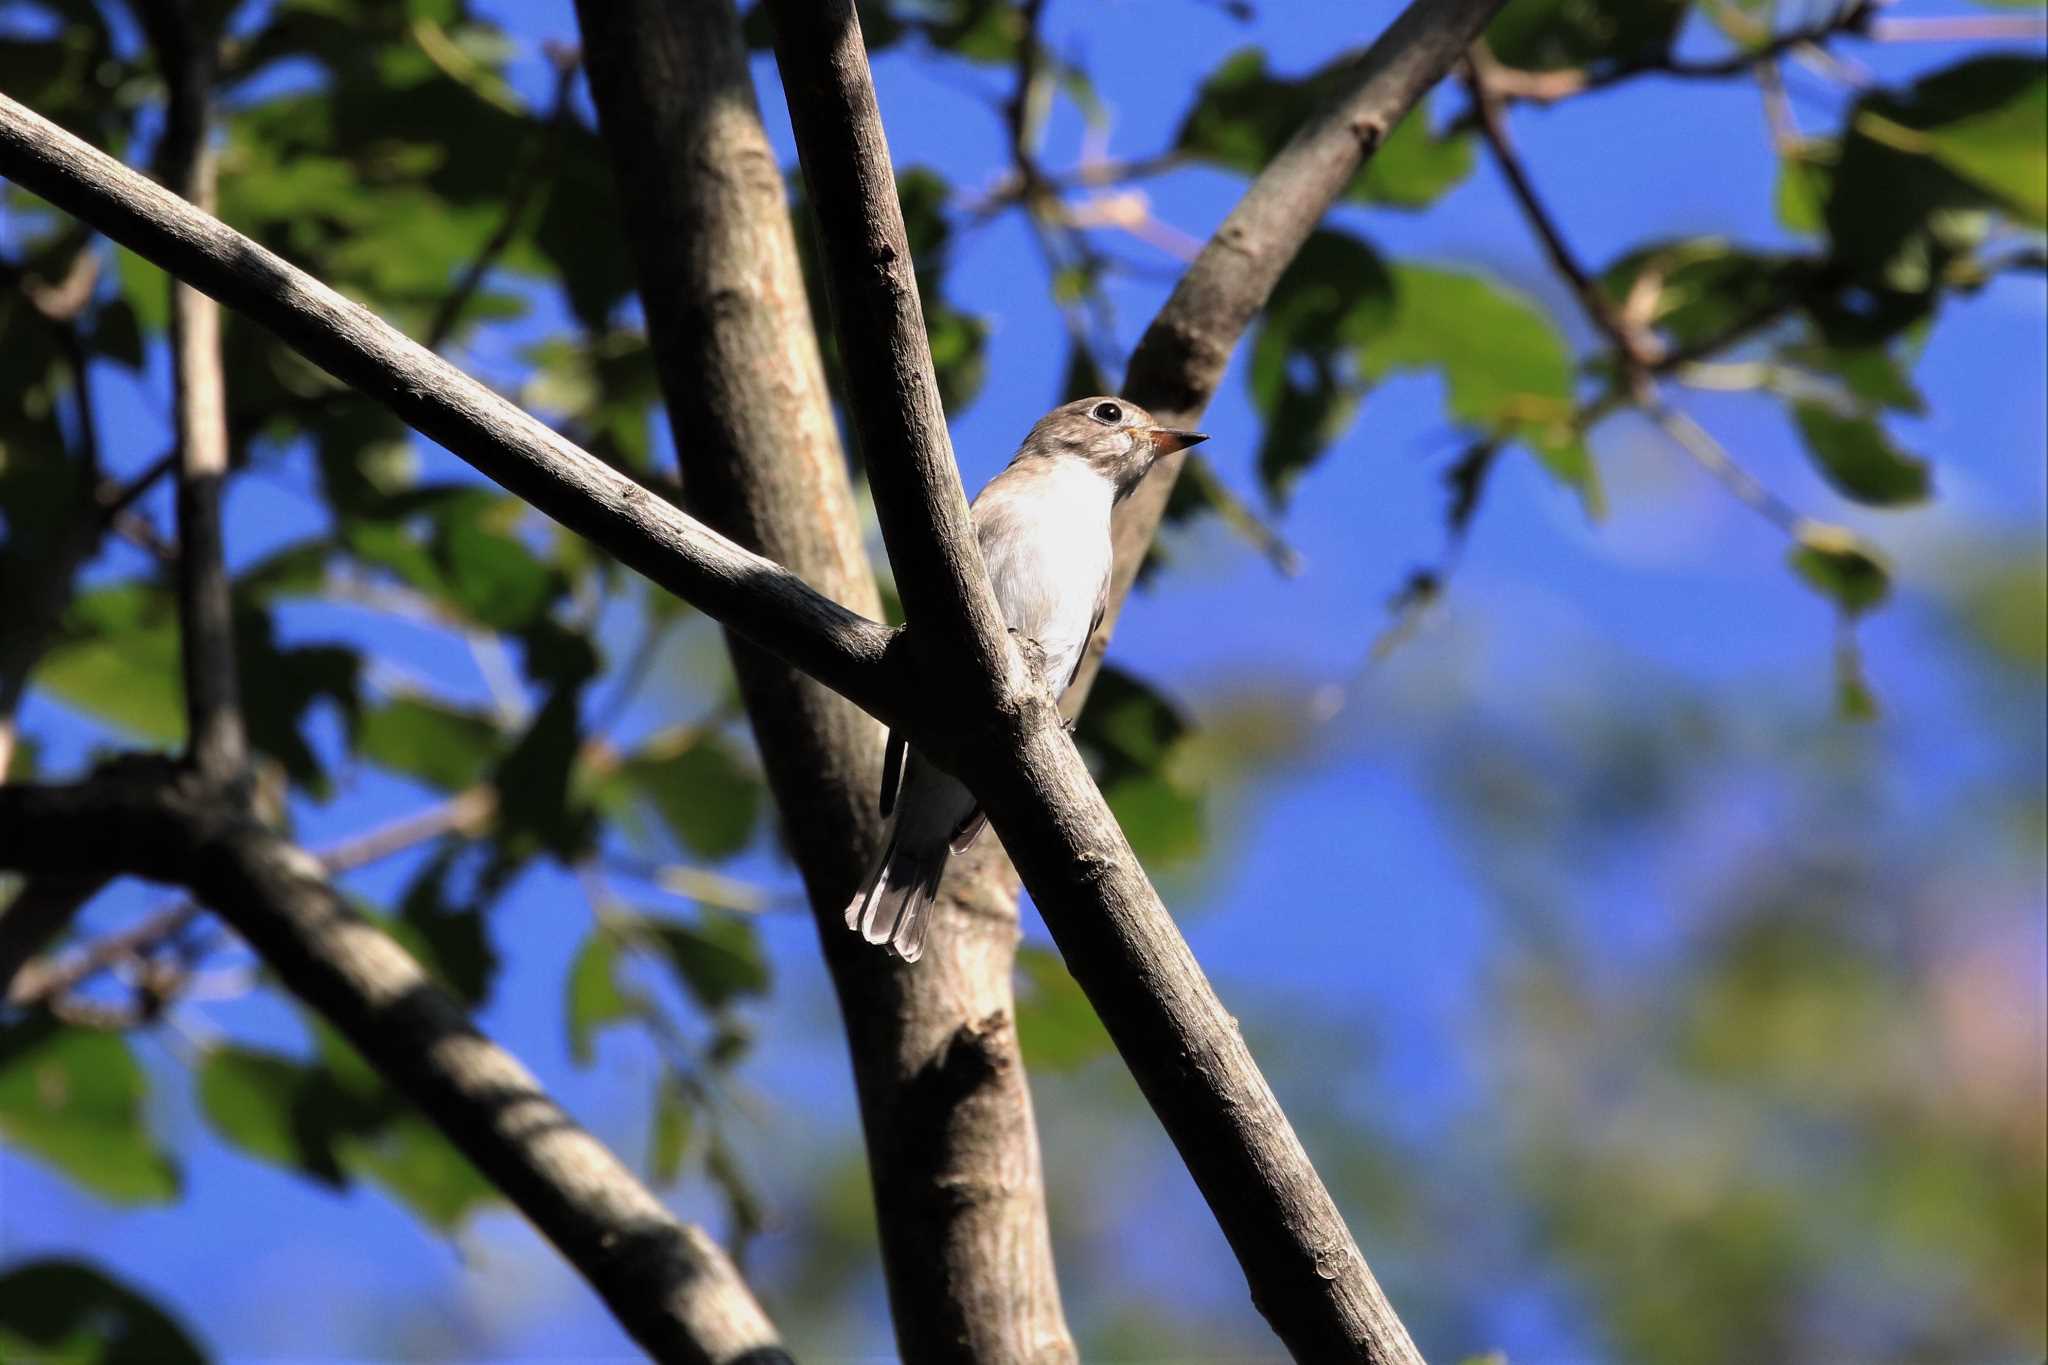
{"points": [[895, 906]]}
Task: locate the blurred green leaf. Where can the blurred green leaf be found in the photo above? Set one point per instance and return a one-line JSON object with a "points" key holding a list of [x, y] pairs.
{"points": [[445, 747], [410, 1158], [1859, 459], [75, 1099], [1507, 371], [1906, 196], [669, 1134], [717, 958], [708, 799], [535, 809], [117, 660], [1332, 299], [595, 999], [1542, 35], [1837, 566], [67, 1312], [448, 936], [1242, 116], [1056, 1026], [269, 1106]]}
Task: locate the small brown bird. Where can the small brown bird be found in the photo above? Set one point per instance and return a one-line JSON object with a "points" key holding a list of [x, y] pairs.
{"points": [[1043, 524]]}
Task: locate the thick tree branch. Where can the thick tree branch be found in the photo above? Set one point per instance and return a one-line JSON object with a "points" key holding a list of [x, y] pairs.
{"points": [[952, 1150], [670, 1286], [765, 602], [1184, 1049]]}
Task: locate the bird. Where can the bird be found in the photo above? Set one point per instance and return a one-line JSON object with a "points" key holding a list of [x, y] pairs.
{"points": [[1043, 524]]}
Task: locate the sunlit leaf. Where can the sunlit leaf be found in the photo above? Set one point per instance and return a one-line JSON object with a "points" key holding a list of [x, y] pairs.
{"points": [[75, 1099], [595, 999], [445, 747], [1839, 567], [1859, 459]]}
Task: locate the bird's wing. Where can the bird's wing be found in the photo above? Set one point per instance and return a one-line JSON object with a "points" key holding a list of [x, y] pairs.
{"points": [[1094, 624], [892, 770]]}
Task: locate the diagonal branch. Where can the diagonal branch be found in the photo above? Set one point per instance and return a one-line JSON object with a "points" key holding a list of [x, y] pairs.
{"points": [[952, 1150], [765, 602], [1183, 1048], [671, 1287], [1180, 360]]}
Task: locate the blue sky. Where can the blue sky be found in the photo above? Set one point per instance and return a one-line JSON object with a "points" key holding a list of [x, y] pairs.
{"points": [[1340, 890]]}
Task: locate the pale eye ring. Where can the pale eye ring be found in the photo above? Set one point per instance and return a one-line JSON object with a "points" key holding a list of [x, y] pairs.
{"points": [[1108, 412]]}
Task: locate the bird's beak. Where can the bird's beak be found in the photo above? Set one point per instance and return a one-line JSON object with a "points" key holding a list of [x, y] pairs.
{"points": [[1165, 440]]}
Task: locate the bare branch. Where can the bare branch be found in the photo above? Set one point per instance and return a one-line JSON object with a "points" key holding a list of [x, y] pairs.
{"points": [[765, 602], [670, 1286], [216, 741]]}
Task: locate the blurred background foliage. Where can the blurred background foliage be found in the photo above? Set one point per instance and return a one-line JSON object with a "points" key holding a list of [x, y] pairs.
{"points": [[1727, 1037]]}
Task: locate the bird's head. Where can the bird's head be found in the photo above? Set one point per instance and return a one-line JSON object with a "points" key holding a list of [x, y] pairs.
{"points": [[1118, 440]]}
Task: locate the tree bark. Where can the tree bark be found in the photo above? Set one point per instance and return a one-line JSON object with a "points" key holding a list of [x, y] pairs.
{"points": [[1305, 1272], [670, 1286], [952, 1149]]}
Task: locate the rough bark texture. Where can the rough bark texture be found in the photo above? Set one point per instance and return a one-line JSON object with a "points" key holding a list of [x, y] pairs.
{"points": [[771, 606], [952, 1149], [1305, 1272], [671, 1287]]}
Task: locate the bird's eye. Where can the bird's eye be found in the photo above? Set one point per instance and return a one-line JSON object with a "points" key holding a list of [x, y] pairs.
{"points": [[1108, 412]]}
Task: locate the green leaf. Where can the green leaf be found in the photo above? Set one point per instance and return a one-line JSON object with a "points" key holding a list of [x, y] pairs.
{"points": [[1128, 726], [708, 799], [535, 810], [1057, 1028], [146, 290], [718, 958], [410, 1158], [1918, 167], [445, 747], [595, 999], [1333, 298], [1835, 564], [271, 1107], [75, 1099], [2004, 149], [65, 1310], [1507, 371], [1164, 822], [1874, 374], [1541, 35], [450, 939], [669, 1135], [1858, 458], [1242, 116], [117, 661]]}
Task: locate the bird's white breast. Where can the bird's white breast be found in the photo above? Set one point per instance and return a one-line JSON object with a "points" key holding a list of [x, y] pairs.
{"points": [[1045, 536]]}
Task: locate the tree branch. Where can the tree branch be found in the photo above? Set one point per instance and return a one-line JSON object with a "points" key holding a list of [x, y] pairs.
{"points": [[216, 742], [957, 630], [952, 1150], [1184, 1049], [769, 605], [670, 1286], [1181, 358]]}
